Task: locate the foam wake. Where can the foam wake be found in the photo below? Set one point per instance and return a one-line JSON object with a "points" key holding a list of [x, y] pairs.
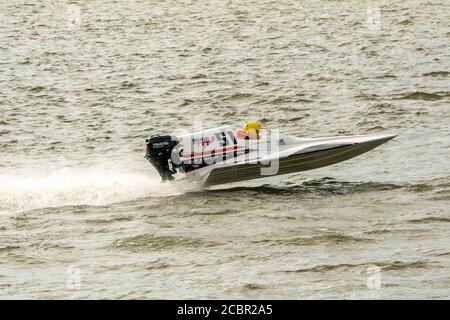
{"points": [[95, 185]]}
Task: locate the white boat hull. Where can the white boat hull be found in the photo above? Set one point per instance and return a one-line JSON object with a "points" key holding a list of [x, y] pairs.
{"points": [[301, 158], [220, 156]]}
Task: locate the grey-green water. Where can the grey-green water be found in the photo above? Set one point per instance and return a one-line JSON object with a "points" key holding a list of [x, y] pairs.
{"points": [[83, 83]]}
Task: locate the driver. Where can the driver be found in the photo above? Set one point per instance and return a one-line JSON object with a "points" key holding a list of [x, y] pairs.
{"points": [[250, 131]]}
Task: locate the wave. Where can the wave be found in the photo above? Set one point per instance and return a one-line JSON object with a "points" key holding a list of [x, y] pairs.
{"points": [[326, 185], [385, 108], [425, 96], [95, 185], [154, 242], [252, 287], [385, 266], [439, 188], [437, 74], [333, 238], [421, 187], [236, 96], [430, 220]]}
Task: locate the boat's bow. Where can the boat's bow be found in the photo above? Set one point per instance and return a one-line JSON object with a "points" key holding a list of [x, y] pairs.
{"points": [[295, 156]]}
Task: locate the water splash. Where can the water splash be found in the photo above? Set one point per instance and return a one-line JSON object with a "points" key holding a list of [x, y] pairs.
{"points": [[94, 185]]}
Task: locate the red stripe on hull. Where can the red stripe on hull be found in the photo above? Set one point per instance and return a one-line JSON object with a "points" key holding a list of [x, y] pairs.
{"points": [[212, 152]]}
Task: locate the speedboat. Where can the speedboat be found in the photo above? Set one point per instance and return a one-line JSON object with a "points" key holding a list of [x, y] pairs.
{"points": [[219, 156]]}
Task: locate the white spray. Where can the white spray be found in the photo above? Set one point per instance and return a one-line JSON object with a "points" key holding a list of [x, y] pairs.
{"points": [[102, 184]]}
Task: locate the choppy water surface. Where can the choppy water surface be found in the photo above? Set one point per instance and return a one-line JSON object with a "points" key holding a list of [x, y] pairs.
{"points": [[83, 83]]}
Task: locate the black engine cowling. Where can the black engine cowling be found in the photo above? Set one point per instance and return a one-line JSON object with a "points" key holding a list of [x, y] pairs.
{"points": [[159, 153]]}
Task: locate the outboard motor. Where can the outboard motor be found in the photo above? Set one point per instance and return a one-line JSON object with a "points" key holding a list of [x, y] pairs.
{"points": [[159, 153]]}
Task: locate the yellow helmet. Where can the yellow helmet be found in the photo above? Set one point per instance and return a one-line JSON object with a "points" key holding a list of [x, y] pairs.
{"points": [[251, 128]]}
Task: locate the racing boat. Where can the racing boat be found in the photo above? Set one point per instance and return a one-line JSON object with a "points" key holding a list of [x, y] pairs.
{"points": [[219, 156]]}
